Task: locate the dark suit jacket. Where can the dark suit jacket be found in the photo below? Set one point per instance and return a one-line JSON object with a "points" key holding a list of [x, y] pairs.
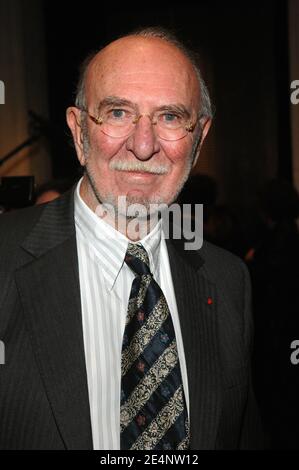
{"points": [[43, 384]]}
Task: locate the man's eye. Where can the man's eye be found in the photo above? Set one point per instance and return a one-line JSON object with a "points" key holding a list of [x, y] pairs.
{"points": [[170, 117], [117, 113]]}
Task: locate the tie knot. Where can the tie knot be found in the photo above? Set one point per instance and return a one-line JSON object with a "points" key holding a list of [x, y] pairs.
{"points": [[137, 259]]}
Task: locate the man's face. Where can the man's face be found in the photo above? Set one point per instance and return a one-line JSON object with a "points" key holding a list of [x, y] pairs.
{"points": [[149, 75]]}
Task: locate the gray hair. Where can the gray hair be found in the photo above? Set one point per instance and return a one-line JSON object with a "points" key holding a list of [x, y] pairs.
{"points": [[165, 35]]}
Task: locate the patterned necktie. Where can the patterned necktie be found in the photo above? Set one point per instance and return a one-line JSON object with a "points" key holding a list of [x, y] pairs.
{"points": [[153, 413]]}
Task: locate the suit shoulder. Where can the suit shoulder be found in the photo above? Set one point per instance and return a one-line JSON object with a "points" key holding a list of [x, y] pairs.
{"points": [[16, 224], [217, 256]]}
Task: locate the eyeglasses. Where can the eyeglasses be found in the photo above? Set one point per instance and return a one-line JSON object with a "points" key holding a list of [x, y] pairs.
{"points": [[119, 122]]}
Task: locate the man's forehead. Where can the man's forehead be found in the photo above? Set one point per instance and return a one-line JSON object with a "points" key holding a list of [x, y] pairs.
{"points": [[141, 60], [134, 47]]}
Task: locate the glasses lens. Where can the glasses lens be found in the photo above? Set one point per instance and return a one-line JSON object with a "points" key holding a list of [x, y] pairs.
{"points": [[116, 130], [171, 134]]}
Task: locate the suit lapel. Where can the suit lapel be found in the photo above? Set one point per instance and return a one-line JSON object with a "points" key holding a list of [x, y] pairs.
{"points": [[50, 293], [196, 301]]}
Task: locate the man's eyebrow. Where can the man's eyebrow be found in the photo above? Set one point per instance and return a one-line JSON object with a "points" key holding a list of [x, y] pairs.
{"points": [[114, 101], [177, 108]]}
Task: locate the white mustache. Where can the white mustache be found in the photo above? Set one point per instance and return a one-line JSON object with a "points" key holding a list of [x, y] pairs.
{"points": [[139, 167]]}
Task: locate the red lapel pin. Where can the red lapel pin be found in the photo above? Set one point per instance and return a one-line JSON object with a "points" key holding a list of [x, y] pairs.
{"points": [[210, 300]]}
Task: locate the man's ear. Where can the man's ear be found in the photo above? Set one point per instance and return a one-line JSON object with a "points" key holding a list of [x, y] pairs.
{"points": [[73, 117], [205, 126]]}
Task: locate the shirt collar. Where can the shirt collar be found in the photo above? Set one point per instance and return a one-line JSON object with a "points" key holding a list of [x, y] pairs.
{"points": [[110, 244]]}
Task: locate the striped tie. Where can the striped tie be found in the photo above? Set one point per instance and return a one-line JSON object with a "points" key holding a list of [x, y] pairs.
{"points": [[153, 412]]}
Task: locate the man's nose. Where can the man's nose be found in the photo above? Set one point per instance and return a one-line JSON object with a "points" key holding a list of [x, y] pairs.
{"points": [[143, 141]]}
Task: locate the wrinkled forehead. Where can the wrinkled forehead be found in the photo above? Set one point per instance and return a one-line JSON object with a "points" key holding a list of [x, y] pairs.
{"points": [[150, 66]]}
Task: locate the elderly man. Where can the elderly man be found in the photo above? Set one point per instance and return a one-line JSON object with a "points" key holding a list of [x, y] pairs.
{"points": [[117, 340]]}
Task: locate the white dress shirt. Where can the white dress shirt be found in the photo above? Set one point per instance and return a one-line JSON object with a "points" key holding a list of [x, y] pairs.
{"points": [[105, 285]]}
